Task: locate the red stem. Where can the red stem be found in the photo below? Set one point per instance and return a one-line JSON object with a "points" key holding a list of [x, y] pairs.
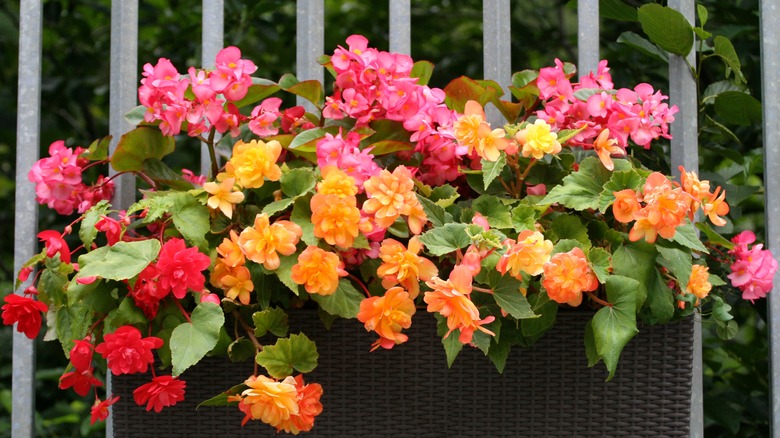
{"points": [[363, 286], [598, 300], [183, 312]]}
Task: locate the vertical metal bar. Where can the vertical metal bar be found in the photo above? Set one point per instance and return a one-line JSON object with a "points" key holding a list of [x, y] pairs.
{"points": [[497, 50], [310, 36], [685, 152], [769, 14], [587, 36], [28, 123], [212, 40], [400, 27], [122, 97]]}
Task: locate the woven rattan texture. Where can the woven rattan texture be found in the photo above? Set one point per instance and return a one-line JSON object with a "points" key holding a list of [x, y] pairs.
{"points": [[546, 391]]}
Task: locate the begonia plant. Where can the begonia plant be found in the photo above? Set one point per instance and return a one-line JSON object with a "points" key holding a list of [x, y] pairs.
{"points": [[387, 201]]}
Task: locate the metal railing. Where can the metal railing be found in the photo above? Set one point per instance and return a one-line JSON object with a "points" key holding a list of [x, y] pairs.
{"points": [[310, 37]]}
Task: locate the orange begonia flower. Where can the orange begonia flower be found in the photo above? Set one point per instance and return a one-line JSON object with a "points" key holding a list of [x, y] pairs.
{"points": [[391, 195], [387, 316], [666, 208], [451, 299], [699, 283], [230, 251], [237, 283], [715, 206], [605, 147], [625, 206], [403, 266], [309, 406], [263, 242], [318, 271], [269, 401], [335, 219], [567, 275], [223, 196], [253, 162], [471, 130], [336, 182], [528, 254]]}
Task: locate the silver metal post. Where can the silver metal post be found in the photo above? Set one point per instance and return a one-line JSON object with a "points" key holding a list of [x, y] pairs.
{"points": [[685, 152], [28, 123], [212, 42], [310, 35], [123, 97], [587, 36], [497, 49], [400, 27], [769, 14]]}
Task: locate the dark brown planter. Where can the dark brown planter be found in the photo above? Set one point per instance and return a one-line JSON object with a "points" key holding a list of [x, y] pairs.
{"points": [[547, 390]]}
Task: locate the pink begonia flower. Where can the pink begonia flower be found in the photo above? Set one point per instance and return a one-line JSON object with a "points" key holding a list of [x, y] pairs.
{"points": [[754, 269]]}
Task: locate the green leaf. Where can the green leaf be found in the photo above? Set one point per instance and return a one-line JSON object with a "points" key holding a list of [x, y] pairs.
{"points": [[72, 323], [422, 70], [738, 108], [221, 399], [301, 215], [629, 179], [701, 11], [277, 206], [510, 299], [524, 217], [436, 214], [614, 326], [136, 115], [307, 140], [87, 230], [617, 10], [191, 219], [714, 89], [725, 51], [446, 239], [675, 259], [492, 169], [259, 90], [452, 345], [272, 320], [284, 272], [659, 306], [138, 145], [687, 237], [121, 261], [385, 147], [98, 149], [294, 353], [345, 302], [546, 309], [496, 213], [727, 330], [581, 190], [164, 176], [192, 340], [590, 345], [600, 262], [523, 78], [636, 260], [640, 44], [667, 28], [126, 314], [310, 90], [571, 227], [156, 205], [297, 182], [463, 89], [241, 349]]}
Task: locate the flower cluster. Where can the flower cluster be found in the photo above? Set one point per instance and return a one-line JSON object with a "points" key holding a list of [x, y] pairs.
{"points": [[384, 205], [58, 181]]}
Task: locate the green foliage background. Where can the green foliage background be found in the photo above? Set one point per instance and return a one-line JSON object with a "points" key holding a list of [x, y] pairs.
{"points": [[446, 32]]}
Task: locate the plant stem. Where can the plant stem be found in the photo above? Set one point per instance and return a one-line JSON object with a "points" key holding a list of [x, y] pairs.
{"points": [[212, 153], [181, 309], [363, 286], [598, 300], [482, 289], [250, 332]]}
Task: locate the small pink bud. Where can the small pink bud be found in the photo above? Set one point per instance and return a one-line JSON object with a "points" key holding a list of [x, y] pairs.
{"points": [[31, 290], [210, 298], [68, 229], [86, 280], [537, 190], [480, 220], [24, 273]]}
